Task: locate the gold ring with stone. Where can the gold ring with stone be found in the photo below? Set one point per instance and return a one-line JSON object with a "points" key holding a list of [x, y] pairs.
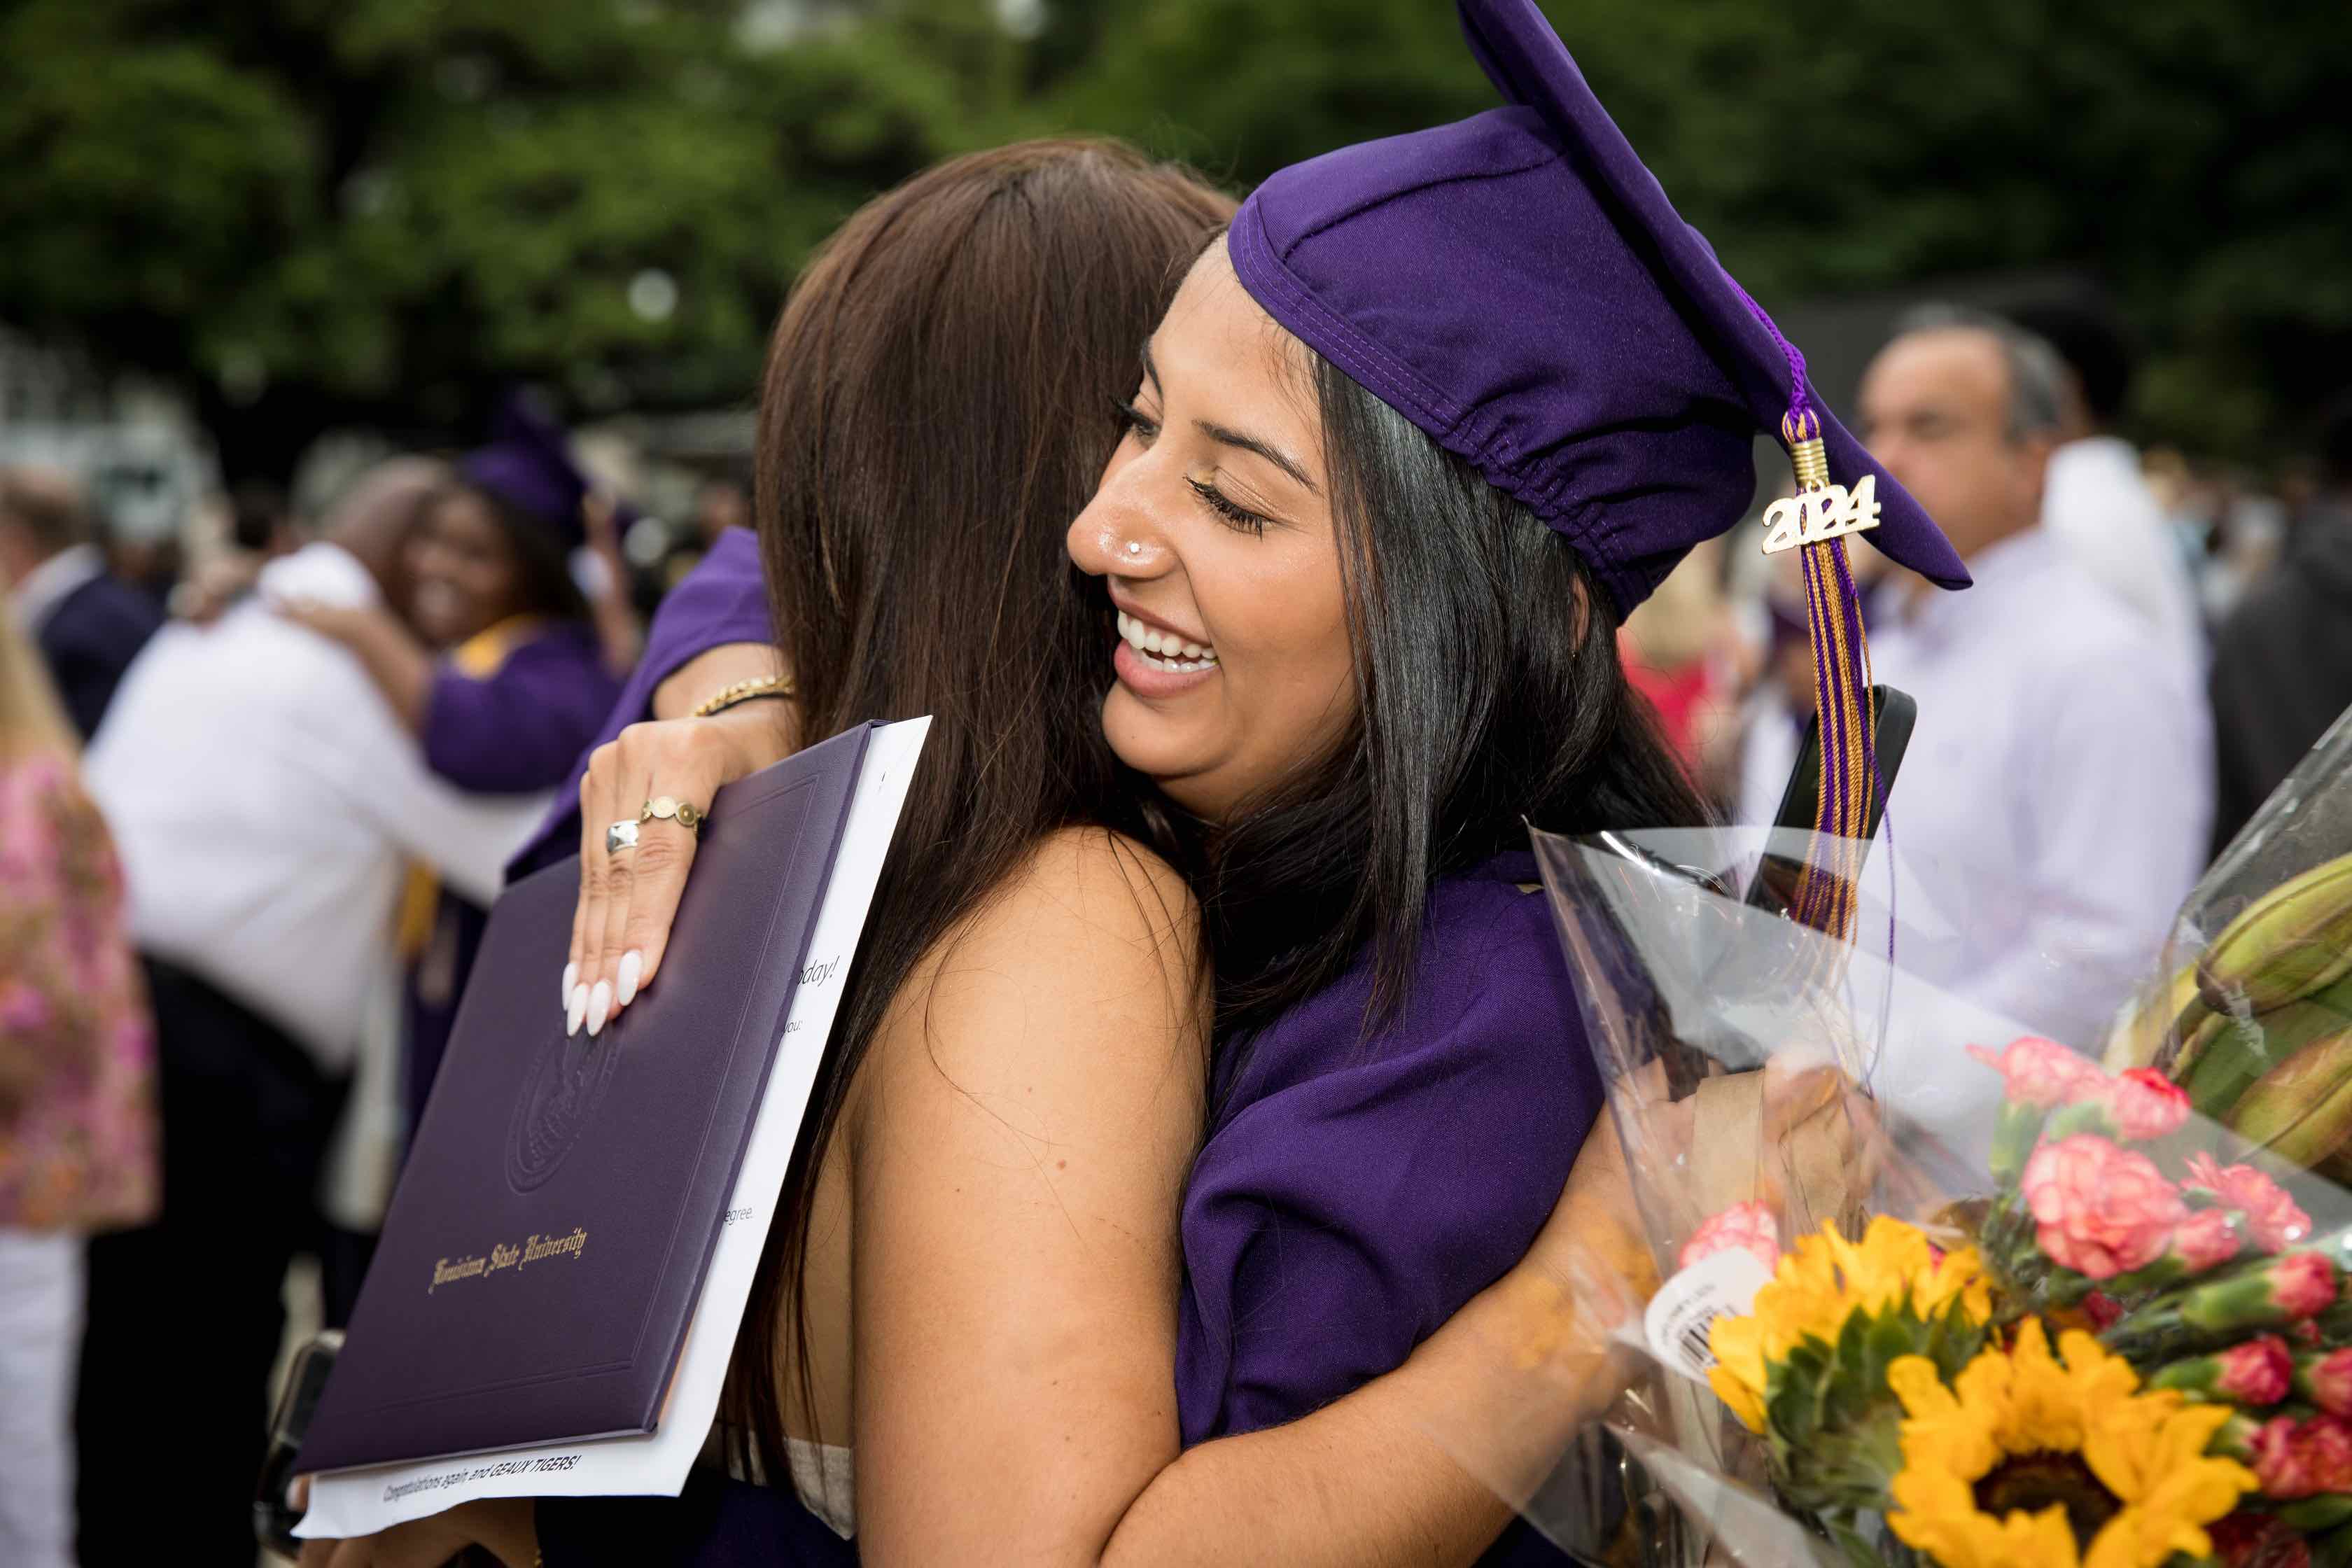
{"points": [[670, 808]]}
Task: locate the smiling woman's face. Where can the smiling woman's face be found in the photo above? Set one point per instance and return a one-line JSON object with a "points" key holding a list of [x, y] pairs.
{"points": [[464, 572], [1214, 527]]}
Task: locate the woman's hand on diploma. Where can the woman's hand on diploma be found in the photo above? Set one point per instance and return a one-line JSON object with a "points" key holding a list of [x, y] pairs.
{"points": [[628, 897]]}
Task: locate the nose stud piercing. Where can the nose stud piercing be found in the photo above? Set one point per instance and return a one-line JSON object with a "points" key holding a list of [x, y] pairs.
{"points": [[1135, 547]]}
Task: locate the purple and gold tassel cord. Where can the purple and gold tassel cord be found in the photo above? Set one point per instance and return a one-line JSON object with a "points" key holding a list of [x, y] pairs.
{"points": [[1849, 781], [1816, 521]]}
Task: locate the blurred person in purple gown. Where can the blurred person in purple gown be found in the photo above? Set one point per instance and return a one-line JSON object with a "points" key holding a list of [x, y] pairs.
{"points": [[498, 669]]}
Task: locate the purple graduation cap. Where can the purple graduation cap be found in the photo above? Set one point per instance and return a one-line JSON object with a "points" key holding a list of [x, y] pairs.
{"points": [[1517, 285], [528, 465]]}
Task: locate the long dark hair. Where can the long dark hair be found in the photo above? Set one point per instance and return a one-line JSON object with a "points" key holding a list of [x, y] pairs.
{"points": [[940, 403], [1490, 696]]}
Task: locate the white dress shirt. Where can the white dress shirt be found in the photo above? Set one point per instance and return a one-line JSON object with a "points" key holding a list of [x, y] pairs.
{"points": [[40, 591], [266, 801], [2096, 504], [2053, 806]]}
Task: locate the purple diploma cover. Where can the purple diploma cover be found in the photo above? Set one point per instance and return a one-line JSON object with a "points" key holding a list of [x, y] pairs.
{"points": [[547, 1241]]}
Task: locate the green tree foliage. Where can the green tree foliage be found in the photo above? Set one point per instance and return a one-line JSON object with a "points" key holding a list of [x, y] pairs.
{"points": [[2194, 155], [309, 211]]}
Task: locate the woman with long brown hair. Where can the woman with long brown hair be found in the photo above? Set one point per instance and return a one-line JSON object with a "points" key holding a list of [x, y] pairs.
{"points": [[76, 1108], [972, 1293]]}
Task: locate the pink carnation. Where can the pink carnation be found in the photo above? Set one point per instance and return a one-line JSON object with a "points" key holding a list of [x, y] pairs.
{"points": [[2144, 1103], [2206, 1239], [1749, 1226], [2303, 1284], [2103, 1210], [2042, 1073], [2303, 1459], [2273, 1218], [2258, 1371], [2329, 1381], [2280, 1466]]}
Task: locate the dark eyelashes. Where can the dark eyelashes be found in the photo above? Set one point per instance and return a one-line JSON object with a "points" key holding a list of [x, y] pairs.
{"points": [[1133, 418], [1215, 499]]}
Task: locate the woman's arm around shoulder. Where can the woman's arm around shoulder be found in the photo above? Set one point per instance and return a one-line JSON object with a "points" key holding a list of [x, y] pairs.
{"points": [[1020, 1140]]}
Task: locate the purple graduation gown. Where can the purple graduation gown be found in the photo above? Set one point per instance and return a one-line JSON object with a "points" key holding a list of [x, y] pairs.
{"points": [[511, 730], [1352, 1194], [517, 729], [723, 600]]}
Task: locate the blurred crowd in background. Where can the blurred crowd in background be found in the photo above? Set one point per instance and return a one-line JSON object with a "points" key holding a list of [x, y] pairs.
{"points": [[349, 353]]}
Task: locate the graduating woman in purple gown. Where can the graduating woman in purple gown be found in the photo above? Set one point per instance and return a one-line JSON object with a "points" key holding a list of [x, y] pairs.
{"points": [[1410, 440], [498, 669]]}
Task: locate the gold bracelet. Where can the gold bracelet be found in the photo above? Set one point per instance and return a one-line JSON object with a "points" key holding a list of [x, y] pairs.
{"points": [[726, 697]]}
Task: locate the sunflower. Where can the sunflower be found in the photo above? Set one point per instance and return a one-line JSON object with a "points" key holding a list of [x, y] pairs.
{"points": [[2025, 1456], [1821, 1282]]}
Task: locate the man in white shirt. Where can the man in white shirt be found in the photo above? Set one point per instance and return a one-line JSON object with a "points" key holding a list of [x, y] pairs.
{"points": [[2053, 806], [2096, 502], [267, 804]]}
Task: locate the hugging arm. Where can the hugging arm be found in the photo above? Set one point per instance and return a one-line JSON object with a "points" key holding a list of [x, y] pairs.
{"points": [[1015, 1282], [401, 666]]}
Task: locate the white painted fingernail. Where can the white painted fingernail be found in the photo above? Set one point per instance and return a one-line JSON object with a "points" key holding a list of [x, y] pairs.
{"points": [[575, 1010], [571, 982], [600, 1007], [624, 983]]}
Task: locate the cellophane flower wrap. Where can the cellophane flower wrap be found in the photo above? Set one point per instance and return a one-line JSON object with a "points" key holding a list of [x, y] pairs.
{"points": [[1907, 1283], [2251, 1011]]}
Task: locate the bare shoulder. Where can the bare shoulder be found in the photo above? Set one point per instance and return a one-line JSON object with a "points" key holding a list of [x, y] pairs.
{"points": [[1094, 881], [1081, 976]]}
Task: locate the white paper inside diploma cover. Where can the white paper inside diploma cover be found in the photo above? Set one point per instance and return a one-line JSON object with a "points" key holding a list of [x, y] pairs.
{"points": [[360, 1502]]}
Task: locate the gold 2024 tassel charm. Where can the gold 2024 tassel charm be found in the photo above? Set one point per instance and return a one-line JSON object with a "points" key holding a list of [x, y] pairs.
{"points": [[1816, 520]]}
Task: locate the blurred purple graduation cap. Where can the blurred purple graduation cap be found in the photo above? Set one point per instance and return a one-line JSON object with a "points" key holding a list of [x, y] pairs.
{"points": [[1517, 285], [528, 465]]}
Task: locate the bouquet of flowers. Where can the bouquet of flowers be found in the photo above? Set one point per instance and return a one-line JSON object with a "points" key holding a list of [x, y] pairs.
{"points": [[2132, 1353], [1937, 1291]]}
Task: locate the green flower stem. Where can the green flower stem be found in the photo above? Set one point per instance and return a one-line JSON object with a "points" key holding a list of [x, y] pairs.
{"points": [[2201, 1375], [2313, 1515], [2217, 1310], [2014, 1137]]}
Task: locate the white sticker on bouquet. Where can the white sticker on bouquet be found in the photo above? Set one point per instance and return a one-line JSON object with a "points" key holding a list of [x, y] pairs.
{"points": [[1723, 1285]]}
